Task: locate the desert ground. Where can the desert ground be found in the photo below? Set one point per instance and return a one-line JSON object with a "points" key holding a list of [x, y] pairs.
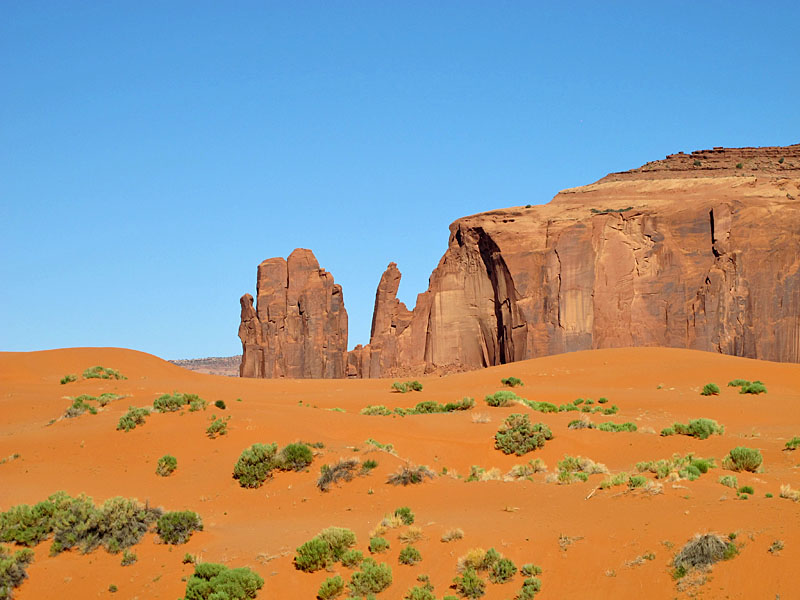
{"points": [[591, 542]]}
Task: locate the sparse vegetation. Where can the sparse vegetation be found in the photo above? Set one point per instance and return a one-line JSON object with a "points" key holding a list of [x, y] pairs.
{"points": [[326, 548], [617, 427], [128, 558], [699, 428], [377, 410], [68, 379], [295, 457], [793, 443], [407, 386], [373, 578], [469, 585], [606, 211], [710, 389], [678, 467], [502, 570], [530, 587], [169, 402], [352, 558], [746, 489], [332, 587], [755, 388], [131, 419], [13, 570], [729, 481], [571, 469], [519, 436], [343, 470], [255, 465], [739, 165], [775, 547], [452, 535], [217, 427], [178, 526], [99, 372], [211, 581], [702, 551], [502, 398], [409, 474], [789, 493], [409, 556], [511, 381], [166, 465], [385, 447], [220, 404], [742, 458], [405, 515]]}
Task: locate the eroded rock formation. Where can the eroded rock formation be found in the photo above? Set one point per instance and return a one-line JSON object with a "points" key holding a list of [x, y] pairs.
{"points": [[298, 327], [697, 251]]}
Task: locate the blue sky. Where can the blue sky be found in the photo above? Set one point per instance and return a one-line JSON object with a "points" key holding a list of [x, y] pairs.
{"points": [[153, 153]]}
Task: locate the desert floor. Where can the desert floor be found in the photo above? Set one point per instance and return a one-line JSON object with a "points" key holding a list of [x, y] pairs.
{"points": [[523, 519]]}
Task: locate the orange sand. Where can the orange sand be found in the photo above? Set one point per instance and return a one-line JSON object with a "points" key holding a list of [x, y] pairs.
{"points": [[523, 519]]}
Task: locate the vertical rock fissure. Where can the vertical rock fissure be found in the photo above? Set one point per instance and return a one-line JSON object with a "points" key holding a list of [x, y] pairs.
{"points": [[503, 291]]}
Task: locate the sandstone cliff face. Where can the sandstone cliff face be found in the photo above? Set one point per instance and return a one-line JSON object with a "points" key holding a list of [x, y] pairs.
{"points": [[298, 327], [697, 251]]}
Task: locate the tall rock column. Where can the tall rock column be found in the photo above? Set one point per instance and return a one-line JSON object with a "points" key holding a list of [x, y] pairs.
{"points": [[298, 327]]}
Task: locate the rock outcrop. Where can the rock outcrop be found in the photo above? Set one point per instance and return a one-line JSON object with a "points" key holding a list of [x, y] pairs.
{"points": [[696, 251], [298, 327]]}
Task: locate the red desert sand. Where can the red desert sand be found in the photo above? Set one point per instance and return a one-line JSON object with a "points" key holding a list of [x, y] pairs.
{"points": [[589, 541]]}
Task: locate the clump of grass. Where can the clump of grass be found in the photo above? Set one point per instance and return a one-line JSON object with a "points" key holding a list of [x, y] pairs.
{"points": [[502, 398], [469, 584], [410, 535], [128, 558], [793, 443], [525, 471], [326, 548], [352, 558], [166, 465], [196, 403], [502, 570], [377, 410], [699, 428], [775, 547], [678, 467], [169, 402], [385, 447], [217, 427], [211, 580], [729, 481], [99, 372], [331, 588], [748, 387], [255, 465], [789, 493], [343, 470], [519, 436], [410, 474], [637, 481], [613, 481], [577, 468], [530, 570], [133, 418], [405, 514], [710, 389], [539, 406], [177, 527], [426, 407], [511, 381], [582, 423], [373, 578], [68, 379], [617, 427], [13, 570], [746, 489], [702, 551], [409, 556], [742, 458], [407, 386], [452, 535]]}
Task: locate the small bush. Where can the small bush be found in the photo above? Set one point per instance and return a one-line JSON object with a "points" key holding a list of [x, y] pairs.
{"points": [[177, 527], [502, 571], [519, 436], [255, 465], [511, 382], [215, 581], [419, 593], [313, 555], [378, 545], [739, 165], [166, 465], [746, 489], [710, 389], [368, 465], [68, 379], [13, 570], [409, 556], [220, 404], [373, 578], [169, 402], [99, 372], [743, 459], [699, 428], [352, 558], [753, 388], [377, 410], [410, 474], [738, 382], [637, 481], [128, 558], [793, 443], [452, 535], [81, 405], [405, 515], [408, 386], [469, 585], [331, 588], [615, 427], [703, 551], [344, 470], [502, 398], [295, 457], [197, 404], [530, 587], [132, 418], [217, 427], [530, 570]]}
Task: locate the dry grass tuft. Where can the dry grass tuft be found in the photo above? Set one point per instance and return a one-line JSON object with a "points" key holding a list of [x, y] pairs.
{"points": [[411, 535], [452, 535], [481, 418], [790, 494]]}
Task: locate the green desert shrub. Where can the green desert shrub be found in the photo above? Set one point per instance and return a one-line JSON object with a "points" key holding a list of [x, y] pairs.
{"points": [[464, 404], [530, 587], [166, 465], [220, 404], [793, 443], [502, 398], [212, 581], [742, 458], [332, 587], [519, 436], [469, 584], [530, 570], [132, 418], [637, 481], [729, 481], [710, 389], [502, 571], [378, 545], [405, 515], [616, 427], [178, 526], [419, 593], [68, 379], [169, 402], [373, 578], [408, 386], [196, 404], [352, 558], [255, 465], [378, 410], [540, 406], [738, 382], [699, 428], [577, 468], [99, 372], [81, 405], [217, 427], [511, 381], [368, 465], [13, 570], [128, 558], [295, 457], [326, 548], [409, 556], [410, 474], [746, 489], [756, 387]]}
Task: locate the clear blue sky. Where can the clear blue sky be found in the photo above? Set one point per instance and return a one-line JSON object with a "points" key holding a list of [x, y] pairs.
{"points": [[153, 153]]}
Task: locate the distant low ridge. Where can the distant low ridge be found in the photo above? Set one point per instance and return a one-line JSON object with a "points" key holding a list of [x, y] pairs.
{"points": [[215, 365]]}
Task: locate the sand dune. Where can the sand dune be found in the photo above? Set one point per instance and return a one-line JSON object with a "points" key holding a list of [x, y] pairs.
{"points": [[522, 519]]}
